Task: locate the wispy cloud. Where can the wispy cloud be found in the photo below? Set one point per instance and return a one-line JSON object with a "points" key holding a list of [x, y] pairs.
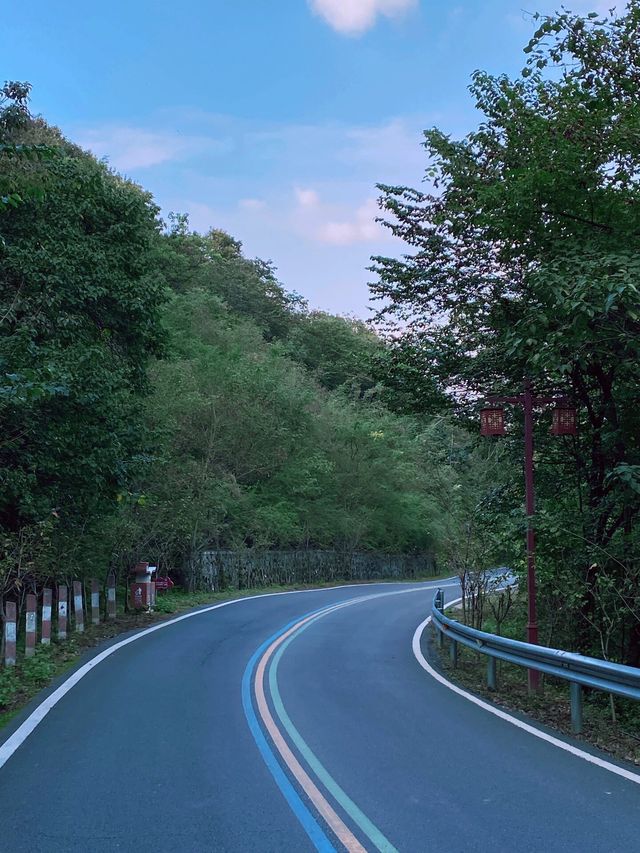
{"points": [[361, 227], [306, 198], [331, 223], [129, 148], [252, 204], [300, 194], [354, 17]]}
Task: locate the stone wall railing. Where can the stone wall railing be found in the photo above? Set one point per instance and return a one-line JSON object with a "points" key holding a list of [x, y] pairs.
{"points": [[244, 569]]}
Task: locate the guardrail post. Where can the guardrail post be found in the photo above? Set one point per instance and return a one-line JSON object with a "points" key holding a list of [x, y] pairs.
{"points": [[575, 691], [440, 637], [453, 653], [31, 626], [46, 617], [491, 673]]}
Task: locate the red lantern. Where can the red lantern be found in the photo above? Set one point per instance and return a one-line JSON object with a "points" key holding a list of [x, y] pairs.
{"points": [[565, 421], [492, 422]]}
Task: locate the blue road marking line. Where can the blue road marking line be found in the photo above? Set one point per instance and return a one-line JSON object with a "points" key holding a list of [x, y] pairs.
{"points": [[311, 826]]}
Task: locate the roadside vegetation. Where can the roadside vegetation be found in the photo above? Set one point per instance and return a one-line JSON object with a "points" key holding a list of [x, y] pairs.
{"points": [[524, 262], [162, 394]]}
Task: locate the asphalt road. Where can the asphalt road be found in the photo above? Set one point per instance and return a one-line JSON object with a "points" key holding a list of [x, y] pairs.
{"points": [[269, 726]]}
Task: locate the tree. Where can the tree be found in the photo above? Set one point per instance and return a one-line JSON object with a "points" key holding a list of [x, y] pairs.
{"points": [[162, 394], [525, 263], [337, 350], [214, 262], [80, 299], [18, 156]]}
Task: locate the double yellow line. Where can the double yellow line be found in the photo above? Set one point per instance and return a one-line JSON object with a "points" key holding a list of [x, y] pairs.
{"points": [[264, 668]]}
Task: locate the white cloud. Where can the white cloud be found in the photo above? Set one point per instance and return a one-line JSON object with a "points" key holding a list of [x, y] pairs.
{"points": [[353, 17], [378, 147], [202, 217], [129, 148], [300, 194], [306, 198], [360, 228], [252, 204]]}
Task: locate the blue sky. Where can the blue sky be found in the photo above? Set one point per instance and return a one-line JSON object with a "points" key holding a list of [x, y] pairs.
{"points": [[273, 119]]}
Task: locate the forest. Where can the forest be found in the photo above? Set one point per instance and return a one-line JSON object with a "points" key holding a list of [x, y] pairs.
{"points": [[163, 394]]}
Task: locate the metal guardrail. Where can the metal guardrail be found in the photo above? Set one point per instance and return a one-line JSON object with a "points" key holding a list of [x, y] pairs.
{"points": [[578, 670]]}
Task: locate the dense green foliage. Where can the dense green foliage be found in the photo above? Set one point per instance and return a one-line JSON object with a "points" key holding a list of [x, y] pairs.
{"points": [[269, 432], [525, 263], [163, 394], [79, 320]]}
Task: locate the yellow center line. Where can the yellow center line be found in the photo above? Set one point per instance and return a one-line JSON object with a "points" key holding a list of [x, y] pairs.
{"points": [[338, 826]]}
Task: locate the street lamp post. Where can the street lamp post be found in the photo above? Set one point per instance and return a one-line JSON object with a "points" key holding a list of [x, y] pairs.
{"points": [[564, 423]]}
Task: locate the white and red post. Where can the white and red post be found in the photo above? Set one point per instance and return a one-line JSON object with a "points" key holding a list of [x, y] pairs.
{"points": [[31, 626], [111, 596], [95, 602], [47, 598], [10, 633], [63, 612], [77, 606]]}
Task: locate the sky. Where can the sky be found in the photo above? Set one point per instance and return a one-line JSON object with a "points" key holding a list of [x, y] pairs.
{"points": [[271, 119]]}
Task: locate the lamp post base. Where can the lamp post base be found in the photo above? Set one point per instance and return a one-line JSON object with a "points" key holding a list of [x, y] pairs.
{"points": [[533, 674]]}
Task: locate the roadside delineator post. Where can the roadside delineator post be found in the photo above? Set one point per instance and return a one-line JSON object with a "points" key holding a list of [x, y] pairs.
{"points": [[77, 606], [95, 602], [575, 692], [453, 652], [111, 596], [31, 623], [46, 617], [491, 673], [439, 603], [62, 612], [10, 633]]}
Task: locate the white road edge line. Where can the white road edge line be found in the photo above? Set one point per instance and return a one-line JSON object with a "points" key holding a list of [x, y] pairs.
{"points": [[532, 730], [14, 741]]}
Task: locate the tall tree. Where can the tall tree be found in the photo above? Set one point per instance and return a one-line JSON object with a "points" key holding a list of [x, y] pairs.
{"points": [[525, 261], [80, 301]]}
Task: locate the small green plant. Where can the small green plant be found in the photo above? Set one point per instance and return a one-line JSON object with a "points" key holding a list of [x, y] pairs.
{"points": [[8, 686], [165, 604], [38, 670]]}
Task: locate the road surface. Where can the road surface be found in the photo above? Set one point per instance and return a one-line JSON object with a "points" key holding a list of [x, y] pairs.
{"points": [[296, 722]]}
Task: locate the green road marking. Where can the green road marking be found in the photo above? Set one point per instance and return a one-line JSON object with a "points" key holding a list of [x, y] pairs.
{"points": [[370, 830]]}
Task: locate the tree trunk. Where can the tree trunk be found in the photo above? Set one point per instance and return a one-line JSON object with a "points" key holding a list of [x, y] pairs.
{"points": [[633, 648]]}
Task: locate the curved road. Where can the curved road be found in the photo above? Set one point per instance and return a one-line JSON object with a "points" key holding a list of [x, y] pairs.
{"points": [[291, 723]]}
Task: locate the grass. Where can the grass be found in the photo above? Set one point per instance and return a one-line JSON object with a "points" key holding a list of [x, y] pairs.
{"points": [[20, 683], [620, 736]]}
